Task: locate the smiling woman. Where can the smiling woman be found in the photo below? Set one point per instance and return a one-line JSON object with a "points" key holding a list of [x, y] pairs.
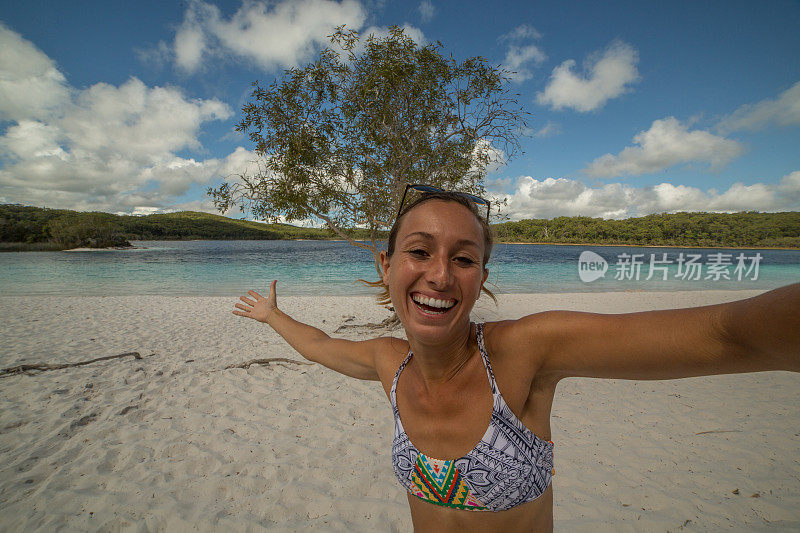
{"points": [[472, 402]]}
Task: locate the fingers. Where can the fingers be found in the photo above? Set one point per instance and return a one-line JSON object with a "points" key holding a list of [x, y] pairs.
{"points": [[272, 288], [254, 305]]}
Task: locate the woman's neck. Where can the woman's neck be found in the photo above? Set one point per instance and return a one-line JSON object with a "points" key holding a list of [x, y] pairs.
{"points": [[439, 363]]}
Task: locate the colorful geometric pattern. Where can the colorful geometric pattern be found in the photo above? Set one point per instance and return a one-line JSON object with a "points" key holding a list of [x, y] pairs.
{"points": [[508, 467], [440, 482]]}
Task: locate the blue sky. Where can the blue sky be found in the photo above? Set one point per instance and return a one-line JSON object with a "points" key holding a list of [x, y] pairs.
{"points": [[637, 107]]}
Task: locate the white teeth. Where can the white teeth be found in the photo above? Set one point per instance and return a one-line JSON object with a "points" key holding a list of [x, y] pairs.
{"points": [[433, 302]]}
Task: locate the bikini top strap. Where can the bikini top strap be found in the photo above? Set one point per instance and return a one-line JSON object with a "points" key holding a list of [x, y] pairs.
{"points": [[392, 393], [485, 357]]}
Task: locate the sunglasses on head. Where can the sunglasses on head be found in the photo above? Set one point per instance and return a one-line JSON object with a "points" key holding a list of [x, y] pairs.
{"points": [[431, 189]]}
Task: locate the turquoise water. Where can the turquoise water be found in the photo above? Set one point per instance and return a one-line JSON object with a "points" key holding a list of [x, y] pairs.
{"points": [[228, 268]]}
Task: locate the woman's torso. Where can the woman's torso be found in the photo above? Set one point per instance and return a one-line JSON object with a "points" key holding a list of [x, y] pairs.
{"points": [[449, 421]]}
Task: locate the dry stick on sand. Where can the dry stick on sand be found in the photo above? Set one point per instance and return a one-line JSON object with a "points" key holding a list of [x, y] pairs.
{"points": [[388, 324], [44, 367], [267, 362], [720, 431]]}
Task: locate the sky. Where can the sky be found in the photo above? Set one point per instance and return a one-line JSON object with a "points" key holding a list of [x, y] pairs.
{"points": [[636, 107]]}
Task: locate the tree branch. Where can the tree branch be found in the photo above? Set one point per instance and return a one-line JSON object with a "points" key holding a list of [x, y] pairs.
{"points": [[44, 367]]}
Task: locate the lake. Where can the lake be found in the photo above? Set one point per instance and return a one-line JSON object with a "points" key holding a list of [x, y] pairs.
{"points": [[229, 268]]}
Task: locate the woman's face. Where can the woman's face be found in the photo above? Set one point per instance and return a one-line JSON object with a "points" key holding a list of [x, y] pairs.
{"points": [[436, 272]]}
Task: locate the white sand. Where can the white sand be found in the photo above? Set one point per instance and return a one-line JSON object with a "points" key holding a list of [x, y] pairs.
{"points": [[166, 444]]}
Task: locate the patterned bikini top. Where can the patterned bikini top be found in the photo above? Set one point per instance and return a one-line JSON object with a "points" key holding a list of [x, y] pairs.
{"points": [[508, 467]]}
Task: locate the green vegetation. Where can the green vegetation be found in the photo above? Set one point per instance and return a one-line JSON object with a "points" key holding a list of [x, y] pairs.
{"points": [[744, 229], [35, 228], [42, 229]]}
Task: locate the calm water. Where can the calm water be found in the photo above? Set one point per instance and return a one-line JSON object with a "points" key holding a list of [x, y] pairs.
{"points": [[229, 268]]}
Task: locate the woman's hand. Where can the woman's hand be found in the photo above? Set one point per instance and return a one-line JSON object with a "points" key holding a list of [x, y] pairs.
{"points": [[258, 308]]}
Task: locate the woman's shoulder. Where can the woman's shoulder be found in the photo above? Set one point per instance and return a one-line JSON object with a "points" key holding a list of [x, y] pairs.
{"points": [[522, 341], [537, 328], [389, 351], [389, 354]]}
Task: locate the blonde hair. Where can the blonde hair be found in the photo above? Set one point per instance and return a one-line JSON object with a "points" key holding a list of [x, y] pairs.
{"points": [[447, 196]]}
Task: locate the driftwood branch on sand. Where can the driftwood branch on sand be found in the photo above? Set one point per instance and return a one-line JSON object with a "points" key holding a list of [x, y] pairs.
{"points": [[387, 324], [44, 367], [33, 369], [267, 362]]}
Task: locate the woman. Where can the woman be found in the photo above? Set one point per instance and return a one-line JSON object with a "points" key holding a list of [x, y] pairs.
{"points": [[434, 268]]}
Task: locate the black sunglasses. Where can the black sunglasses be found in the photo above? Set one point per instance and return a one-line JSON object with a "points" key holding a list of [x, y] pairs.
{"points": [[430, 188]]}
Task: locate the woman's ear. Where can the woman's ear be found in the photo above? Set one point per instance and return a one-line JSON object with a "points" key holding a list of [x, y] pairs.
{"points": [[385, 267]]}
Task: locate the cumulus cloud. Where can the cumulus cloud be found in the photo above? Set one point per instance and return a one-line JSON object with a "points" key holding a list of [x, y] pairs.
{"points": [[426, 10], [522, 32], [548, 130], [606, 75], [522, 56], [488, 156], [553, 197], [667, 143], [105, 147], [270, 34], [31, 85], [381, 32], [781, 111]]}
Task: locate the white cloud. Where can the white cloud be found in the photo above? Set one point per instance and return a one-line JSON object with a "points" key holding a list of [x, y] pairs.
{"points": [[426, 10], [30, 84], [270, 34], [155, 56], [789, 187], [606, 75], [520, 56], [382, 32], [488, 154], [190, 40], [781, 111], [548, 130], [553, 197], [105, 147], [667, 143], [522, 32]]}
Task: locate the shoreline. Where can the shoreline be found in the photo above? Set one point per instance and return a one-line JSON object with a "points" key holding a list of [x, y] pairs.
{"points": [[653, 246], [588, 244]]}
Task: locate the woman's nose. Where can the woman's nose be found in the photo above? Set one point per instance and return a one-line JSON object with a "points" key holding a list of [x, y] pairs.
{"points": [[439, 273]]}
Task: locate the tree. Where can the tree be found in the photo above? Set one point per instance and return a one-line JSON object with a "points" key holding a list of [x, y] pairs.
{"points": [[339, 138]]}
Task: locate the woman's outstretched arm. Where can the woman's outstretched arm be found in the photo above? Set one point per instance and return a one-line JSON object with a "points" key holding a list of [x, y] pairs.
{"points": [[752, 335], [351, 358]]}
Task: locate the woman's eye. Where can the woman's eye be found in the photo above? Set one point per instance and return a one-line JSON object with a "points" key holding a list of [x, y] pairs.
{"points": [[418, 252], [465, 261]]}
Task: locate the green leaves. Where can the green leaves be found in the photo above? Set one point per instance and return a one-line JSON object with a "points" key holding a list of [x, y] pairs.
{"points": [[339, 138]]}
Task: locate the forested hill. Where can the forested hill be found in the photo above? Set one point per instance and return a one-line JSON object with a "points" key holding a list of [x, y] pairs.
{"points": [[34, 228], [57, 229], [744, 229]]}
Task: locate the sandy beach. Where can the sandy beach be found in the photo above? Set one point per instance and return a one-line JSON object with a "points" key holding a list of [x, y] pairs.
{"points": [[175, 442]]}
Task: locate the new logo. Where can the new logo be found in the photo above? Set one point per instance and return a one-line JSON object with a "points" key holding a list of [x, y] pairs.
{"points": [[591, 266]]}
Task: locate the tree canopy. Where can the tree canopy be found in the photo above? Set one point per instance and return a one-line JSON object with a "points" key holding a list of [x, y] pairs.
{"points": [[338, 139]]}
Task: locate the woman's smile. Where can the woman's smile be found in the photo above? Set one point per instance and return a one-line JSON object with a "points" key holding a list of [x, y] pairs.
{"points": [[431, 305]]}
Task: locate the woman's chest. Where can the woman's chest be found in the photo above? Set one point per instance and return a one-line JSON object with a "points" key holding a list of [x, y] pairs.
{"points": [[448, 422]]}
